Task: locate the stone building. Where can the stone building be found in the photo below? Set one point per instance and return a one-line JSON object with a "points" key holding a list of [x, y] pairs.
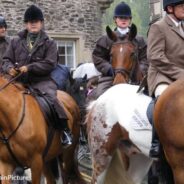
{"points": [[74, 24], [156, 9]]}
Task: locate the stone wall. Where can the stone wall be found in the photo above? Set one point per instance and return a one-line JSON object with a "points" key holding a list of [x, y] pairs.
{"points": [[78, 19], [156, 9]]}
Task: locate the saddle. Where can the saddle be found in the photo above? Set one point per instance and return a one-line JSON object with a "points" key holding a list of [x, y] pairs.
{"points": [[46, 107]]}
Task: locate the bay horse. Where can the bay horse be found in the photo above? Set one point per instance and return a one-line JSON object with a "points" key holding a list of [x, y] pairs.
{"points": [[169, 124], [23, 126], [118, 126], [124, 57]]}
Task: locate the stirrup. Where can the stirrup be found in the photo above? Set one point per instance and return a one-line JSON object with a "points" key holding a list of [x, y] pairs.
{"points": [[66, 138], [155, 152]]}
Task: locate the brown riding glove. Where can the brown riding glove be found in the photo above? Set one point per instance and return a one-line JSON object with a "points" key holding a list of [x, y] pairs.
{"points": [[23, 69], [12, 72]]}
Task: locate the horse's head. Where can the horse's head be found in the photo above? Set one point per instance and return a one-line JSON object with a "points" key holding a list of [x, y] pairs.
{"points": [[124, 56], [77, 88]]}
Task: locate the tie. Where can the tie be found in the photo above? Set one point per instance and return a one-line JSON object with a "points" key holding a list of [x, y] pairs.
{"points": [[181, 29]]}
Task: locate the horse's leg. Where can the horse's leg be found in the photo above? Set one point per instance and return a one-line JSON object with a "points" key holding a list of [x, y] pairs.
{"points": [[36, 169], [100, 164], [70, 166], [175, 159], [6, 171], [63, 175], [179, 175], [48, 175], [139, 167], [117, 173]]}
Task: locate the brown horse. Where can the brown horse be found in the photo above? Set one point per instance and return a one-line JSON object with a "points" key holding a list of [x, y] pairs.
{"points": [[169, 124], [23, 124], [124, 57], [124, 60]]}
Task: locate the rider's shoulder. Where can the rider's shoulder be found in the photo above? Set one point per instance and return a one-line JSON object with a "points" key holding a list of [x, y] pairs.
{"points": [[104, 41], [159, 22]]}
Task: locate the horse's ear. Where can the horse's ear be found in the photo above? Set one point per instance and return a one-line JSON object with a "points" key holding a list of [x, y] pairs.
{"points": [[85, 77], [132, 32], [111, 34]]}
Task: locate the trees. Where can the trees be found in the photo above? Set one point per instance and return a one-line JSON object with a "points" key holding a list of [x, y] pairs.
{"points": [[140, 11]]}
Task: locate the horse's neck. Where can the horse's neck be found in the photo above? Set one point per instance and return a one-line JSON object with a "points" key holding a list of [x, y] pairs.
{"points": [[10, 104]]}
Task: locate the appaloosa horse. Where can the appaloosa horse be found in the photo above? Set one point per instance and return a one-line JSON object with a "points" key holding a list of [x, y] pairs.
{"points": [[23, 135], [117, 121]]}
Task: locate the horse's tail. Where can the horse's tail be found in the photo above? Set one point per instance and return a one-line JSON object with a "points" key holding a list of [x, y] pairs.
{"points": [[71, 171], [165, 169], [54, 168], [91, 105]]}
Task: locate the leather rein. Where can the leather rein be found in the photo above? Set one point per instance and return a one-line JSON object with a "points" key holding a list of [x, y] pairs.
{"points": [[122, 70]]}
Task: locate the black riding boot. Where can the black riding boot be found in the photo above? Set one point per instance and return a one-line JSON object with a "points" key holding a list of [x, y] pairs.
{"points": [[66, 137], [155, 145]]}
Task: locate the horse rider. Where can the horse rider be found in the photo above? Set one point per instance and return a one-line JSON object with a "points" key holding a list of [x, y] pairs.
{"points": [[35, 56], [4, 40], [165, 54], [101, 53]]}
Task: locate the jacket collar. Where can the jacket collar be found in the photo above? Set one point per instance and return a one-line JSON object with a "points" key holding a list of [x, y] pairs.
{"points": [[173, 25], [23, 34]]}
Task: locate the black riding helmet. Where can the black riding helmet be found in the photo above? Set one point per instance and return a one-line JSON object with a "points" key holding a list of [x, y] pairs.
{"points": [[122, 10], [3, 22], [33, 13], [171, 3]]}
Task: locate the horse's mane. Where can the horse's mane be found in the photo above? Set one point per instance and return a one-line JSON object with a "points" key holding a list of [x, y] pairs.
{"points": [[5, 79]]}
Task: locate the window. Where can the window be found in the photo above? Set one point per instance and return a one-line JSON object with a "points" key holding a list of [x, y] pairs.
{"points": [[66, 49]]}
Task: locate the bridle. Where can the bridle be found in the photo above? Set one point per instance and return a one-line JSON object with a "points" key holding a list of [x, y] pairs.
{"points": [[125, 72]]}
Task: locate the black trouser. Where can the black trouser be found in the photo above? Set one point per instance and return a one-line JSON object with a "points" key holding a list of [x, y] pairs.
{"points": [[155, 139], [48, 89]]}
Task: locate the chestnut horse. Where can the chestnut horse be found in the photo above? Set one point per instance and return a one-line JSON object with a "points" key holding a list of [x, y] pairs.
{"points": [[25, 128], [169, 124], [117, 122], [124, 57]]}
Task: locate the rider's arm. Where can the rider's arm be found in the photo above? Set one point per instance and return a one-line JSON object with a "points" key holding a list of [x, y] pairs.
{"points": [[101, 55], [8, 58], [157, 57]]}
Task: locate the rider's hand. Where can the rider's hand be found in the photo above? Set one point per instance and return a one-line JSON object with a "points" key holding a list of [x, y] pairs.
{"points": [[12, 72], [23, 69]]}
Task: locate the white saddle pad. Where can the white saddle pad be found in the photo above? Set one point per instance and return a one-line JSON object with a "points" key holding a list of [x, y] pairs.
{"points": [[136, 115]]}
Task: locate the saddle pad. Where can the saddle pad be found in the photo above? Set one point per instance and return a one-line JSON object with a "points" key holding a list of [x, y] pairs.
{"points": [[86, 68], [138, 118]]}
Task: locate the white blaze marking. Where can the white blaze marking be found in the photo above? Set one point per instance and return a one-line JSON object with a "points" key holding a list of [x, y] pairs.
{"points": [[121, 49]]}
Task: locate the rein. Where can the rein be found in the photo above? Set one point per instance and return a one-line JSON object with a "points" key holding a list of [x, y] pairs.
{"points": [[10, 81], [5, 139]]}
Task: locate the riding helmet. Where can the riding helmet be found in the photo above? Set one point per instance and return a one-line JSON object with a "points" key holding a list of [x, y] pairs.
{"points": [[122, 10], [3, 22], [33, 13], [171, 3]]}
